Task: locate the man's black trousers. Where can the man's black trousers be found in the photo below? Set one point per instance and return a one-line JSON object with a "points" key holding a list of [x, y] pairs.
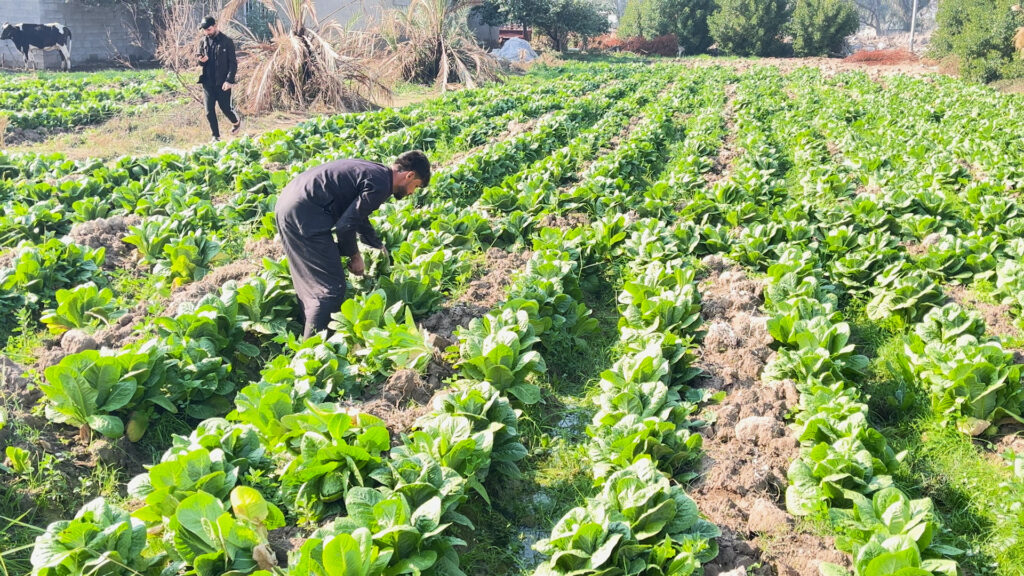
{"points": [[214, 97], [313, 259]]}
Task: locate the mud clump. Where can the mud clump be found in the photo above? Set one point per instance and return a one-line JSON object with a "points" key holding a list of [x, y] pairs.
{"points": [[407, 395], [16, 391], [284, 540], [735, 556], [748, 448], [402, 385], [443, 323], [123, 331], [109, 234], [489, 289], [211, 283], [569, 221]]}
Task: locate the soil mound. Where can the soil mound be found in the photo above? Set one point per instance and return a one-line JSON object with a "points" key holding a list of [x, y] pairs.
{"points": [[748, 448], [887, 57]]}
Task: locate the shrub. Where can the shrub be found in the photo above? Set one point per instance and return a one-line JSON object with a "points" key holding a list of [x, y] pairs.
{"points": [[686, 19], [980, 34], [820, 27], [662, 45], [749, 27]]}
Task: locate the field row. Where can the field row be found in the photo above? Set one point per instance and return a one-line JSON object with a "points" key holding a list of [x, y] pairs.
{"points": [[862, 209]]}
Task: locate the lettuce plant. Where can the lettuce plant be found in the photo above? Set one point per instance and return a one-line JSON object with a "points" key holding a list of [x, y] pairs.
{"points": [[498, 350], [215, 540], [487, 410], [84, 306], [101, 539], [333, 451], [639, 524], [87, 389]]}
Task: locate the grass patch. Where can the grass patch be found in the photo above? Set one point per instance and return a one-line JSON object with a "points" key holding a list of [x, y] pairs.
{"points": [[971, 489], [555, 479], [974, 493], [557, 473], [976, 499], [27, 339]]}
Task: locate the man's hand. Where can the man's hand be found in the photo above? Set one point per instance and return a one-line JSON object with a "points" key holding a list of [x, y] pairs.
{"points": [[227, 86], [356, 265], [204, 58]]}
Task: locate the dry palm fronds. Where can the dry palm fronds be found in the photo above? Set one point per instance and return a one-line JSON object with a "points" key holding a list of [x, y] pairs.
{"points": [[304, 69], [305, 63], [1018, 40], [431, 42]]}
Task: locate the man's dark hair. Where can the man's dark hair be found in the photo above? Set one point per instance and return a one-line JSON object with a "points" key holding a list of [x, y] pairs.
{"points": [[414, 161]]}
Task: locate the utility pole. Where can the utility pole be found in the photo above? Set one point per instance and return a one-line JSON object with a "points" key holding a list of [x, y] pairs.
{"points": [[913, 23]]}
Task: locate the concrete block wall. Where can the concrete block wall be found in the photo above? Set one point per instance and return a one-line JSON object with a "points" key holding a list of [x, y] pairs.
{"points": [[13, 12], [98, 34]]}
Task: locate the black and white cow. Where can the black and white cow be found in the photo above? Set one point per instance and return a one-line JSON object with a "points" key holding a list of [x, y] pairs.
{"points": [[42, 36]]}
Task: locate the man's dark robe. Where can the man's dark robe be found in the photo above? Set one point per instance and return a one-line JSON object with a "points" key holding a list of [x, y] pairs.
{"points": [[338, 195]]}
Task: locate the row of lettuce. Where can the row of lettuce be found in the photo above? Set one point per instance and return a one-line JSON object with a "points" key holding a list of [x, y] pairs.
{"points": [[190, 205], [791, 207], [807, 216], [399, 506], [643, 442], [66, 101]]}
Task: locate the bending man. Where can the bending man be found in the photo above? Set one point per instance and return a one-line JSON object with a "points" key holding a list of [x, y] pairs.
{"points": [[338, 195]]}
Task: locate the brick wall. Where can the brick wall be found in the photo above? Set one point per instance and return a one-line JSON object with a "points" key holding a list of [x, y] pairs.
{"points": [[98, 34]]}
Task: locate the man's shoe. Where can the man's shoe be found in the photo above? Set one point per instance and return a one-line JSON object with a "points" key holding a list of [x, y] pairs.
{"points": [[236, 126], [214, 140]]}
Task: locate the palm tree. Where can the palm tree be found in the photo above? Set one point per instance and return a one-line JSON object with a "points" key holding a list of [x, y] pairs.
{"points": [[432, 42], [306, 62]]}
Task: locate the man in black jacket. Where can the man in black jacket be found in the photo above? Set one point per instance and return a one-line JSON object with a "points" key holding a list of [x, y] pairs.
{"points": [[338, 195], [217, 57]]}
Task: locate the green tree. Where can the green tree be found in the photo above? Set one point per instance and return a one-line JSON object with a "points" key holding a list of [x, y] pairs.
{"points": [[555, 19], [749, 27], [640, 19], [820, 27], [688, 20], [576, 17], [979, 33], [501, 12]]}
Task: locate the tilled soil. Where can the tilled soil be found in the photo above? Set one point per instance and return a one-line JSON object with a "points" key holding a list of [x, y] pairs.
{"points": [[570, 221], [998, 318], [748, 447], [488, 290], [443, 323], [406, 396], [108, 233], [828, 66]]}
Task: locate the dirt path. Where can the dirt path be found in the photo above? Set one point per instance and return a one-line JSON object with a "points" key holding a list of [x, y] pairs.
{"points": [[748, 448]]}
